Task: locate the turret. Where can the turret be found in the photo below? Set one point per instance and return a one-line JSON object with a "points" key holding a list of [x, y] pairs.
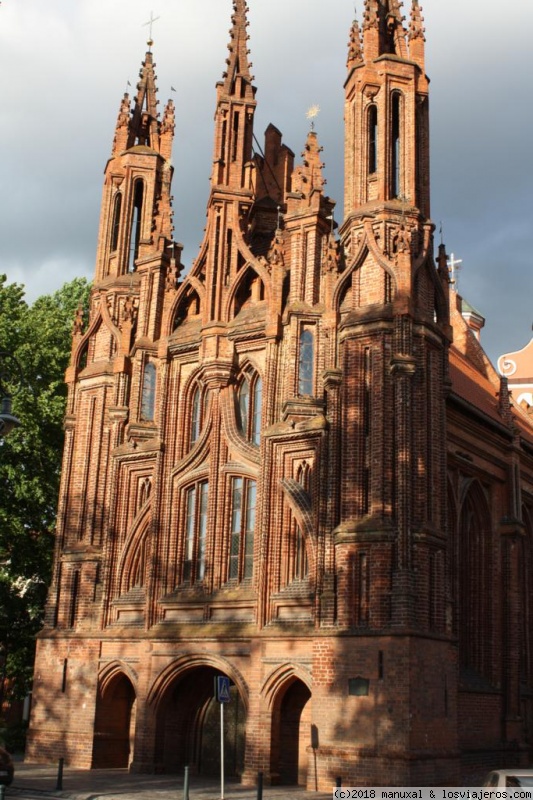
{"points": [[387, 129], [136, 214]]}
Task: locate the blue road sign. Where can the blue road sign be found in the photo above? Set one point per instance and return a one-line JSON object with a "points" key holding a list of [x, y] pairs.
{"points": [[223, 695]]}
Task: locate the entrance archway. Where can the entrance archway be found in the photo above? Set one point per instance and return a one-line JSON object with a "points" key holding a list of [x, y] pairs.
{"points": [[114, 724], [291, 734], [188, 726]]}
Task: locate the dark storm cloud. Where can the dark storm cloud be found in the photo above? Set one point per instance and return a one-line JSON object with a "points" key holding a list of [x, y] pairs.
{"points": [[65, 66]]}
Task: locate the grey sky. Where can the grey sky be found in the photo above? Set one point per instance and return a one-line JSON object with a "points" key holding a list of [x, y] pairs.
{"points": [[66, 63]]}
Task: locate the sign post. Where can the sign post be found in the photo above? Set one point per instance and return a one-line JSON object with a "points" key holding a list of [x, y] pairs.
{"points": [[223, 696]]}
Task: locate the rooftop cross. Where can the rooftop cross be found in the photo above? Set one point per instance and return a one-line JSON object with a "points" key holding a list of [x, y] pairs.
{"points": [[150, 23], [453, 268]]}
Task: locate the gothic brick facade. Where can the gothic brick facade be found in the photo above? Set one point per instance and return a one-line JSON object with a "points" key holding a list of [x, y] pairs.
{"points": [[292, 465]]}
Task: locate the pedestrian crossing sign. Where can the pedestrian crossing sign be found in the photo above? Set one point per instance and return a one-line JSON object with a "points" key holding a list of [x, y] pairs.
{"points": [[222, 689]]}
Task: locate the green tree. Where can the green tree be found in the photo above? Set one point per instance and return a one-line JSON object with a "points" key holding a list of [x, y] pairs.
{"points": [[39, 336]]}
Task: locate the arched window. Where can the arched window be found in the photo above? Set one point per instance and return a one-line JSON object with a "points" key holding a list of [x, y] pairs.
{"points": [[115, 229], [250, 399], [396, 146], [244, 405], [372, 140], [195, 533], [148, 392], [475, 583], [243, 512], [136, 220], [197, 413], [306, 362]]}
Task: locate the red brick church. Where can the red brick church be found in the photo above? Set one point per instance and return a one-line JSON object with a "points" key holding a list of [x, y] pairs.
{"points": [[289, 463]]}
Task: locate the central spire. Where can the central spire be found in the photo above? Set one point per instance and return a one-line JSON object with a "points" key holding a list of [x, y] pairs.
{"points": [[235, 110], [238, 64], [144, 123]]}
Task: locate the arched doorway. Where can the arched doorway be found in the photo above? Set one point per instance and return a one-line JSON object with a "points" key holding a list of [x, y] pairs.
{"points": [[188, 726], [291, 734], [114, 724]]}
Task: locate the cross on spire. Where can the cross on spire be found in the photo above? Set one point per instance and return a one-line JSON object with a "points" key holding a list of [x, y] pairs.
{"points": [[150, 23], [454, 265]]}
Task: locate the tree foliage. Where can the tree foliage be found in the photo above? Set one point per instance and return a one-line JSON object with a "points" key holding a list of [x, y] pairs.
{"points": [[39, 337]]}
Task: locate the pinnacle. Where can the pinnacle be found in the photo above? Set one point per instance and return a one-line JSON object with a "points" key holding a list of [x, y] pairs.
{"points": [[355, 49], [416, 25], [308, 176], [144, 122], [370, 14], [237, 61]]}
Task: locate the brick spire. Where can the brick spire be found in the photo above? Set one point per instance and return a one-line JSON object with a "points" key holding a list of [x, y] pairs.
{"points": [[136, 214], [308, 179], [370, 15], [235, 109], [355, 46], [238, 64], [120, 142], [416, 34], [416, 26], [144, 123]]}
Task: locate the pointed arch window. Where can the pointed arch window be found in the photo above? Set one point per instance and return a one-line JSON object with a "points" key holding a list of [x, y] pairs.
{"points": [[303, 476], [195, 533], [198, 412], [148, 392], [396, 190], [136, 220], [306, 362], [115, 227], [243, 515], [250, 399], [372, 139], [475, 582]]}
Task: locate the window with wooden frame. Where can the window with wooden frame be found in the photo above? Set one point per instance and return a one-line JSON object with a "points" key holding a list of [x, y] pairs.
{"points": [[195, 532], [250, 399], [198, 412], [243, 515], [396, 103]]}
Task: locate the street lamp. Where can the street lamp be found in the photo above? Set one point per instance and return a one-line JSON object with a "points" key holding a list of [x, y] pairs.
{"points": [[10, 376]]}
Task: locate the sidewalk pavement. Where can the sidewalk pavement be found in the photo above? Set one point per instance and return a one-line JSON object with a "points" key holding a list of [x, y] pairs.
{"points": [[37, 782]]}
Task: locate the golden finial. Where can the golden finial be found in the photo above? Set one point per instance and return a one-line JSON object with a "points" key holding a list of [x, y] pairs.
{"points": [[150, 23], [312, 113]]}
